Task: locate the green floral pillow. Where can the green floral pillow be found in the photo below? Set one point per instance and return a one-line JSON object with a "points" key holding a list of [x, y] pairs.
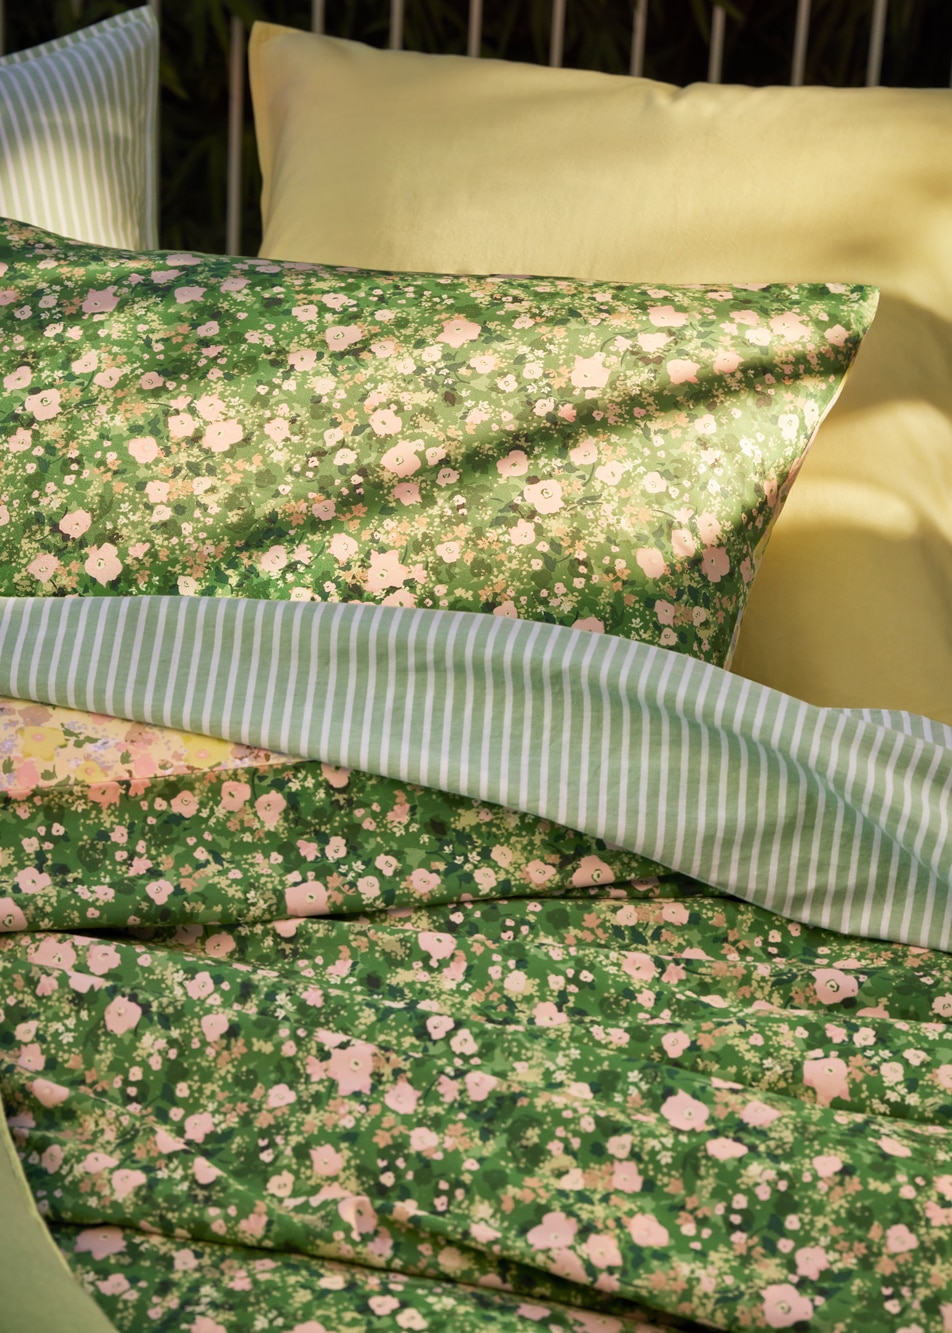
{"points": [[594, 454]]}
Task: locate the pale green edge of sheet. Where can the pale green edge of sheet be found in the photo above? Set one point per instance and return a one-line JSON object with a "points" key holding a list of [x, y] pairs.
{"points": [[38, 1293]]}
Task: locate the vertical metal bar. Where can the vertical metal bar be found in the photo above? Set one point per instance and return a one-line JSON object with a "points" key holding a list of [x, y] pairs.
{"points": [[157, 9], [800, 37], [396, 25], [557, 35], [317, 15], [874, 66], [638, 29], [715, 60], [236, 99], [474, 38]]}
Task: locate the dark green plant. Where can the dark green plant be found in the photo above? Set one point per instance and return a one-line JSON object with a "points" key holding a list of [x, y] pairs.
{"points": [[758, 43]]}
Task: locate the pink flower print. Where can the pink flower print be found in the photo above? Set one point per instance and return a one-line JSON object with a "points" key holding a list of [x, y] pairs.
{"points": [[943, 1075], [200, 986], [31, 1057], [484, 365], [220, 945], [351, 1067], [675, 914], [102, 958], [684, 1112], [592, 869], [338, 777], [198, 1126], [359, 1214], [683, 543], [507, 609], [125, 1181], [726, 362], [302, 360], [639, 965], [48, 1093], [214, 1027], [523, 534], [449, 552], [100, 1242], [100, 303], [515, 464], [122, 1015], [539, 872], [43, 405], [456, 332], [724, 1149], [385, 422], [51, 952], [31, 880], [828, 1077], [675, 1043], [203, 1171], [666, 317], [309, 898], [683, 372], [548, 1015], [326, 1161], [837, 335], [103, 563], [402, 1097], [590, 372], [273, 560], [833, 986], [181, 424], [386, 571], [654, 483], [480, 1085], [157, 491], [277, 429], [758, 1114], [11, 916], [185, 803], [43, 567], [234, 795], [544, 496], [827, 1164], [438, 1025], [19, 378], [789, 326], [811, 1261], [408, 493], [204, 1323], [424, 1140], [269, 808], [646, 1231], [423, 881], [603, 1251], [20, 440], [400, 459], [783, 1305], [446, 476], [589, 625], [610, 474], [221, 435], [942, 1005], [893, 1146], [626, 1177], [52, 1159], [341, 336], [651, 562], [107, 379], [715, 563], [652, 342], [383, 348], [186, 294], [280, 1095], [436, 943], [556, 1231]]}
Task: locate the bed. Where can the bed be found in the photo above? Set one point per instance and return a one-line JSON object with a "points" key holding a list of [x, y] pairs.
{"points": [[408, 921]]}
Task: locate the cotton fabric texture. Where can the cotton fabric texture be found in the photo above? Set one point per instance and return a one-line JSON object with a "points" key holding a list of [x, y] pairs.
{"points": [[470, 166], [597, 455], [78, 125]]}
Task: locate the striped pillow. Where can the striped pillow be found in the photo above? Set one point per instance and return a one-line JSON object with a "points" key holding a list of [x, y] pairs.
{"points": [[78, 121]]}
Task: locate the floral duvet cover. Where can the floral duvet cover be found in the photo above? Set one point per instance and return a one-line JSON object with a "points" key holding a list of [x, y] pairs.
{"points": [[293, 1042]]}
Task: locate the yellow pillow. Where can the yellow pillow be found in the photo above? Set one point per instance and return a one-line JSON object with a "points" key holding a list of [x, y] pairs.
{"points": [[395, 160]]}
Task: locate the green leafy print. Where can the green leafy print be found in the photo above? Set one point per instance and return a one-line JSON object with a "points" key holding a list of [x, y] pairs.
{"points": [[589, 454]]}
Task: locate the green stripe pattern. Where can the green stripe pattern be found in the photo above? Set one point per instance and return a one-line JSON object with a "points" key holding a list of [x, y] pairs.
{"points": [[78, 133], [835, 818]]}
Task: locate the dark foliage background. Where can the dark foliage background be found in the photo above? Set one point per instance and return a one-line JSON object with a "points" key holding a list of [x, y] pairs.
{"points": [[758, 47]]}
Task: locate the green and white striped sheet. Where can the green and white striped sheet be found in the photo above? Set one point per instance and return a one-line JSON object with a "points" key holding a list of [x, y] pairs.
{"points": [[78, 133], [827, 816]]}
